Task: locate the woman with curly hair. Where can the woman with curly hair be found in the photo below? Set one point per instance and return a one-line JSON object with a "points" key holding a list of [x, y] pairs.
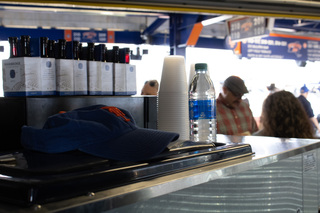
{"points": [[283, 116]]}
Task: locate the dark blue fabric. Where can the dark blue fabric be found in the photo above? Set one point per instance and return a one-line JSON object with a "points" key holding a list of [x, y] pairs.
{"points": [[306, 105], [98, 132]]}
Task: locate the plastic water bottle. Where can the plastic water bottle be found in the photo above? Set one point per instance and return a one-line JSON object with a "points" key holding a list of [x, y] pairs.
{"points": [[202, 106]]}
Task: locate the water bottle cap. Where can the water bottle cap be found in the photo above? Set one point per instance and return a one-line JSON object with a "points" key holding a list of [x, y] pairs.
{"points": [[201, 66]]}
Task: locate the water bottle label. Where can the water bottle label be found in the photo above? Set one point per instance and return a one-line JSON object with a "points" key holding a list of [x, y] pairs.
{"points": [[202, 109]]}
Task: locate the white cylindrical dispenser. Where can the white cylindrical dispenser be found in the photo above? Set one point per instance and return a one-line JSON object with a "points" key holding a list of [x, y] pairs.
{"points": [[173, 113]]}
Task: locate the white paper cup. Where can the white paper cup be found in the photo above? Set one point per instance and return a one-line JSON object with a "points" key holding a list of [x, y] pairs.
{"points": [[173, 78]]}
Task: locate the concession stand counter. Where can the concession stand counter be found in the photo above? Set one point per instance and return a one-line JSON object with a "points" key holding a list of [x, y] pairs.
{"points": [[240, 174], [236, 174]]}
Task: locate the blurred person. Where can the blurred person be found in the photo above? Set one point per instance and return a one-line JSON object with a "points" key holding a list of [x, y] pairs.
{"points": [[304, 91], [150, 88], [272, 88], [234, 116], [283, 116]]}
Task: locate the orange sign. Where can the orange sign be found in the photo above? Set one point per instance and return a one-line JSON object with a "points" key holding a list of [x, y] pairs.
{"points": [[111, 38], [68, 35]]}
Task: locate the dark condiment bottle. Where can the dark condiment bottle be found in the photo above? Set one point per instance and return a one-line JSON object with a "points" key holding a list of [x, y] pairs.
{"points": [[109, 55], [76, 48], [106, 54], [127, 57], [124, 56], [90, 56], [62, 49], [103, 51], [116, 54], [44, 47], [25, 46], [80, 51], [13, 46], [99, 52], [51, 49]]}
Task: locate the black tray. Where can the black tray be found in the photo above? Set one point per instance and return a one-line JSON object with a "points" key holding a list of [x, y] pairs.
{"points": [[28, 177]]}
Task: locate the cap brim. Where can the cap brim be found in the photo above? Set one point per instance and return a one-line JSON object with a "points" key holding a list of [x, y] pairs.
{"points": [[136, 145]]}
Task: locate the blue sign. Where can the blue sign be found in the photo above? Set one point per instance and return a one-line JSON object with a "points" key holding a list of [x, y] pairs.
{"points": [[295, 48], [247, 27], [90, 36]]}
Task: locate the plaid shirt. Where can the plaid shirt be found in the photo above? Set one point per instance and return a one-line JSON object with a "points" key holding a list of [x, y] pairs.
{"points": [[234, 121]]}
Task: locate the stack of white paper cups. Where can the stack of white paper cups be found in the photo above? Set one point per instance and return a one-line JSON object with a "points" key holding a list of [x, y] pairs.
{"points": [[173, 110]]}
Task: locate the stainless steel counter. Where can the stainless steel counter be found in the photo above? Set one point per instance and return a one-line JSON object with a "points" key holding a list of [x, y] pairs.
{"points": [[288, 165]]}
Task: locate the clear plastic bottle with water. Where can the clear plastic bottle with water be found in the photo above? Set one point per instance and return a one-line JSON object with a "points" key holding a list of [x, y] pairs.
{"points": [[202, 106]]}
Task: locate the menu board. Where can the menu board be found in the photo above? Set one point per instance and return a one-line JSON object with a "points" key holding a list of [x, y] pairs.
{"points": [[247, 27], [294, 47], [90, 36]]}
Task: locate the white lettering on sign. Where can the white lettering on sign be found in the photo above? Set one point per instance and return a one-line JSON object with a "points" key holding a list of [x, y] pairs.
{"points": [[267, 42]]}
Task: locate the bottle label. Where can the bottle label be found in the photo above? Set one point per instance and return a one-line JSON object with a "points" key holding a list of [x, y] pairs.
{"points": [[202, 109]]}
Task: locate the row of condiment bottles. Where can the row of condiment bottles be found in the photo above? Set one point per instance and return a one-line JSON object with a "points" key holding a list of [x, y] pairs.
{"points": [[73, 71], [62, 49]]}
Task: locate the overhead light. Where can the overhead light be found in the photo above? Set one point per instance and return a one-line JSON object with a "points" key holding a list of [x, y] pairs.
{"points": [[79, 9], [215, 20], [20, 26], [72, 28], [304, 23], [287, 30]]}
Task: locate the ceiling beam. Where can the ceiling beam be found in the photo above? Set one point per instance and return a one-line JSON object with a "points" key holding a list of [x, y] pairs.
{"points": [[154, 26]]}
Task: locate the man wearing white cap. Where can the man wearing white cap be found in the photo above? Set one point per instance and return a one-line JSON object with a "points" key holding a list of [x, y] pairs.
{"points": [[234, 116], [304, 91]]}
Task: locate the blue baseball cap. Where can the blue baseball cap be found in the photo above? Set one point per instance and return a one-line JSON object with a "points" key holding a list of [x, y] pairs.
{"points": [[304, 89], [99, 130]]}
